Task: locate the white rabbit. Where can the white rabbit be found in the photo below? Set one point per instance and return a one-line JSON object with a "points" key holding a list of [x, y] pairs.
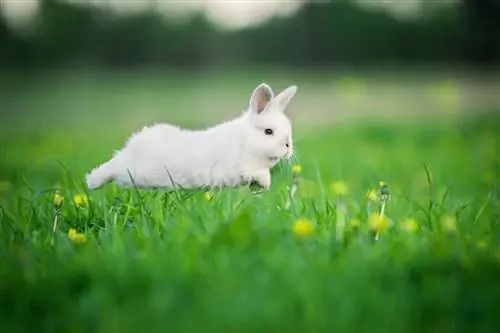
{"points": [[231, 154]]}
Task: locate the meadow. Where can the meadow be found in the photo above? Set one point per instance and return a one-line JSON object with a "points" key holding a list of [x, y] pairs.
{"points": [[388, 217]]}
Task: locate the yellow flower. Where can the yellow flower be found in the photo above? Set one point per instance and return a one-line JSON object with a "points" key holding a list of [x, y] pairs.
{"points": [[339, 188], [410, 225], [72, 232], [80, 200], [76, 237], [382, 183], [208, 196], [372, 195], [355, 223], [58, 200], [4, 185], [302, 228], [449, 223], [296, 169], [378, 222]]}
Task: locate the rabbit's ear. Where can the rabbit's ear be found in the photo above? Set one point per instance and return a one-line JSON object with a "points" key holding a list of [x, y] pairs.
{"points": [[261, 96], [283, 98]]}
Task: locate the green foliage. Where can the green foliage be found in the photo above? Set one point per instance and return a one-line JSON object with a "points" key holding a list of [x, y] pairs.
{"points": [[186, 262], [320, 33]]}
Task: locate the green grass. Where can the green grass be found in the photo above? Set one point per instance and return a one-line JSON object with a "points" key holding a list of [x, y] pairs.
{"points": [[159, 262]]}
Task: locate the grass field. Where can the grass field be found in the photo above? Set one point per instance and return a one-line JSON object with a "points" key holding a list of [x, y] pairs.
{"points": [[322, 259]]}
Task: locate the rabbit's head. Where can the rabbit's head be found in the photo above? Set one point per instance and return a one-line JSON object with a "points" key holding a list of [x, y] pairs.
{"points": [[270, 129]]}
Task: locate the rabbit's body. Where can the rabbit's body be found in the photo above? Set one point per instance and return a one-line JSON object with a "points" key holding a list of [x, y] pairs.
{"points": [[230, 154]]}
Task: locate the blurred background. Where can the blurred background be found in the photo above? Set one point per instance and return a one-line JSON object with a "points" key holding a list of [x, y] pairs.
{"points": [[349, 57], [220, 34], [79, 66]]}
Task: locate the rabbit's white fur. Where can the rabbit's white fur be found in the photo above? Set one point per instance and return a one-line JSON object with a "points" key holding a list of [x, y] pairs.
{"points": [[230, 154]]}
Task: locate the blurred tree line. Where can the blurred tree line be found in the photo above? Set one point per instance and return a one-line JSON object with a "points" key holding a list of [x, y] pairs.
{"points": [[337, 32]]}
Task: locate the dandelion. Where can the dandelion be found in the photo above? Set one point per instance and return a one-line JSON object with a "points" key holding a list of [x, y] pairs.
{"points": [[378, 223], [410, 225], [384, 194], [355, 223], [296, 169], [302, 228], [58, 201], [449, 224], [208, 196], [80, 200], [76, 237], [339, 188], [385, 197]]}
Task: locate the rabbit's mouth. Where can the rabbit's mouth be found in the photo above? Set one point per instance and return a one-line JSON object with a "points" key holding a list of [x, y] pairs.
{"points": [[274, 159]]}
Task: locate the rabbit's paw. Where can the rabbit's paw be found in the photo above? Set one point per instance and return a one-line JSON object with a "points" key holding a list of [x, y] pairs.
{"points": [[261, 178]]}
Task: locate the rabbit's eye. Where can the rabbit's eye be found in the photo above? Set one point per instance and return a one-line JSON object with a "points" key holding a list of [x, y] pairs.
{"points": [[268, 131]]}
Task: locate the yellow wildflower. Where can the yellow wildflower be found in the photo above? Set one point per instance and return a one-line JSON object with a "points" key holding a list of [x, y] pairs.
{"points": [[372, 195], [208, 196], [410, 225], [80, 200], [355, 223], [339, 188], [302, 228], [378, 223], [76, 237], [58, 200], [296, 169], [72, 232], [382, 183], [449, 223]]}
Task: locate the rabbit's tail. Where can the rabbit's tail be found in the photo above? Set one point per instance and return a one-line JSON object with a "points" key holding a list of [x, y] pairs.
{"points": [[100, 176]]}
